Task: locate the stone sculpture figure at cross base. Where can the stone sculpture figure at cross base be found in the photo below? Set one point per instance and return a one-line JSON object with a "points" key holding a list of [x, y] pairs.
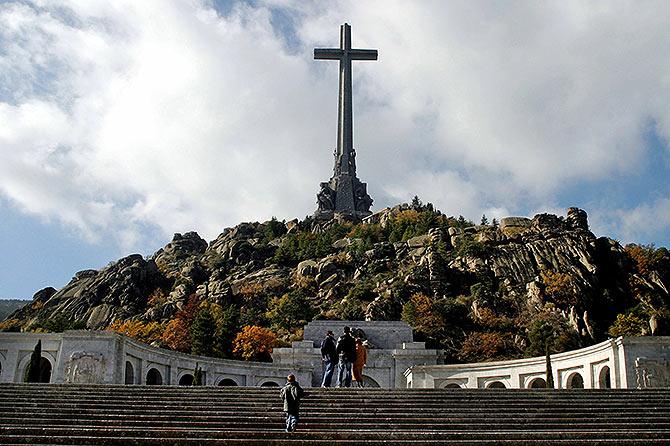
{"points": [[344, 194]]}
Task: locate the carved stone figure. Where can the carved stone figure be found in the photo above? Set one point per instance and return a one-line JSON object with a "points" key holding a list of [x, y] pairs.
{"points": [[363, 200], [652, 373], [326, 198], [85, 368]]}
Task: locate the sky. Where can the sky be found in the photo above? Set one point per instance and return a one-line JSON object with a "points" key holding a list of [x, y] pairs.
{"points": [[122, 123]]}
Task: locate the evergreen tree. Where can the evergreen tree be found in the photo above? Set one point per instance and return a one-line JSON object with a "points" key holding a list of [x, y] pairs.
{"points": [[485, 221], [416, 202], [550, 373], [226, 329], [494, 223], [35, 366], [197, 375], [203, 333]]}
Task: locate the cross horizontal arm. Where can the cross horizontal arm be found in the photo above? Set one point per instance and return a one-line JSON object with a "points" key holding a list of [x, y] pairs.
{"points": [[363, 54], [328, 53]]}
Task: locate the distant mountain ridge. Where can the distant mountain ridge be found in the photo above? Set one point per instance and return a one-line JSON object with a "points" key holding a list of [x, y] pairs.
{"points": [[8, 306], [489, 291]]}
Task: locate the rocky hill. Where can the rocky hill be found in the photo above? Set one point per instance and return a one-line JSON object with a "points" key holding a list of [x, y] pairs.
{"points": [[487, 291]]}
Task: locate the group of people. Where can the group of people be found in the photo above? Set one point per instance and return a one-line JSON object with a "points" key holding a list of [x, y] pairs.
{"points": [[350, 356], [348, 353]]}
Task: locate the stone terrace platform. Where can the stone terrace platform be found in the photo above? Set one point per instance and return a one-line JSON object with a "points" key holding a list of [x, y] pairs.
{"points": [[72, 414]]}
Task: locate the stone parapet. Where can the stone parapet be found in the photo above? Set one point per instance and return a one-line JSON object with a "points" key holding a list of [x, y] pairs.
{"points": [[615, 363]]}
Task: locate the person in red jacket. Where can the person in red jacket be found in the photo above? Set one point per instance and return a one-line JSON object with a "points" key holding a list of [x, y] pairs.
{"points": [[359, 363]]}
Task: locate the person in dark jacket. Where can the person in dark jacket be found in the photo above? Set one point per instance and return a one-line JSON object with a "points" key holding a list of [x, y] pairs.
{"points": [[346, 350], [291, 394], [329, 357]]}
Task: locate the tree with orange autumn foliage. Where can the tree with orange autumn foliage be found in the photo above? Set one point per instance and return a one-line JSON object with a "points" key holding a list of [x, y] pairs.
{"points": [[146, 332], [489, 346], [254, 343], [560, 287], [176, 335]]}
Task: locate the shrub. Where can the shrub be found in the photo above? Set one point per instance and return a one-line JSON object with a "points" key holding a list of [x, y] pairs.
{"points": [[59, 323], [292, 310], [560, 288], [146, 332], [549, 331], [157, 297], [644, 257], [423, 316], [487, 346], [349, 309], [469, 247], [628, 325], [254, 343]]}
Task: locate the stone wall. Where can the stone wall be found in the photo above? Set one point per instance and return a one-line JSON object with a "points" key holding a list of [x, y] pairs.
{"points": [[617, 363], [110, 358]]}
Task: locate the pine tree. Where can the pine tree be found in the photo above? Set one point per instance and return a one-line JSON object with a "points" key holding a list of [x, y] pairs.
{"points": [[203, 332], [35, 366], [485, 221]]}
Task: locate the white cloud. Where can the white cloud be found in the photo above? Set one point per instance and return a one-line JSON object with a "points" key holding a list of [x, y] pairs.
{"points": [[641, 224], [116, 115]]}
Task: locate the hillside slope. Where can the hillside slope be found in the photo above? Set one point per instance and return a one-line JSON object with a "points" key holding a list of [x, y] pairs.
{"points": [[481, 292]]}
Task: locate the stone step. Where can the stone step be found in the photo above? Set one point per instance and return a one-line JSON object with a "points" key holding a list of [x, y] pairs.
{"points": [[217, 420], [342, 434], [568, 425], [93, 441], [132, 389], [332, 405], [150, 415]]}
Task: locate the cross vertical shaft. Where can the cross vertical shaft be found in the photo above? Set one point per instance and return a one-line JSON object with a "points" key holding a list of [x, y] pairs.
{"points": [[345, 191], [345, 122]]}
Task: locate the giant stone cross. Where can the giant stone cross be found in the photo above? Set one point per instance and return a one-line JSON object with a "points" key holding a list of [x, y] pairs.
{"points": [[344, 194]]}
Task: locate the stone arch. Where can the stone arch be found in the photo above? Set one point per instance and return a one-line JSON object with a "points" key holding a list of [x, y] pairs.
{"points": [[186, 379], [604, 378], [269, 384], [370, 382], [575, 381], [45, 371], [496, 385], [537, 383], [154, 377], [227, 382], [453, 386], [130, 373]]}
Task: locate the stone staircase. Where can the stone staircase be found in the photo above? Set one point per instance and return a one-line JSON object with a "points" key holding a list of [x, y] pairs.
{"points": [[53, 414]]}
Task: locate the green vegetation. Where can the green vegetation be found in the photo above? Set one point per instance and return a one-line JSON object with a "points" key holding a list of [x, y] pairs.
{"points": [[306, 245], [290, 311]]}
